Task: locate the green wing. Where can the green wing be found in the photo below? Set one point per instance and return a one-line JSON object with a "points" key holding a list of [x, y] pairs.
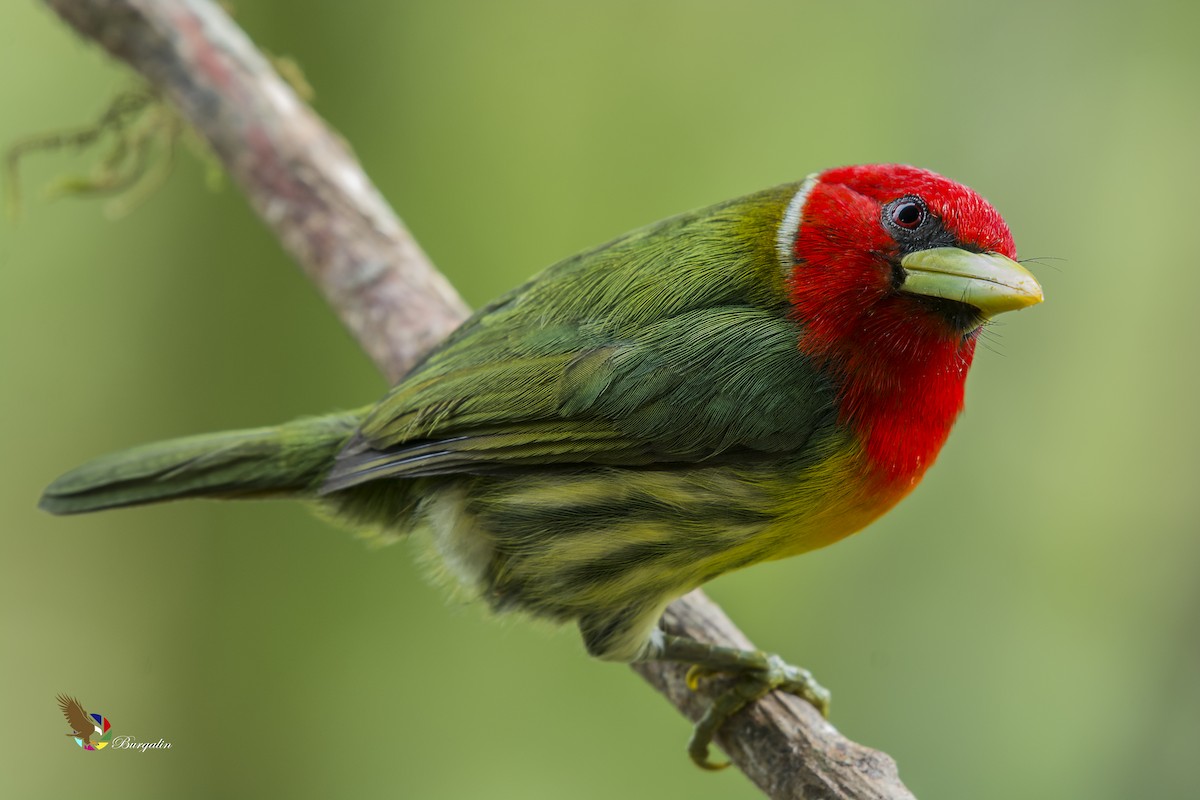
{"points": [[645, 351]]}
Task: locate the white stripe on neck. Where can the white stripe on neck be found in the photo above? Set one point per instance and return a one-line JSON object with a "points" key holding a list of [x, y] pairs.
{"points": [[785, 238]]}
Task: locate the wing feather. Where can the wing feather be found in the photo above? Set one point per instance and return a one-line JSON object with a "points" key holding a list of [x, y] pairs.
{"points": [[714, 384]]}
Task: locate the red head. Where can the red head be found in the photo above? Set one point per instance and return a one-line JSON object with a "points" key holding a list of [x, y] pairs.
{"points": [[895, 271]]}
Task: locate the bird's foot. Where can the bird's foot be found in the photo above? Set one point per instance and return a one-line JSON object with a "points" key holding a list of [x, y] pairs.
{"points": [[754, 674]]}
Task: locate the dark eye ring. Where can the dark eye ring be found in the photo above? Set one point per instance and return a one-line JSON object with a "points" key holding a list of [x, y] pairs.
{"points": [[909, 214]]}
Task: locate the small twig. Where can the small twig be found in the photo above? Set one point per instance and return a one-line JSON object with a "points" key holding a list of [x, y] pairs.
{"points": [[115, 120], [312, 192]]}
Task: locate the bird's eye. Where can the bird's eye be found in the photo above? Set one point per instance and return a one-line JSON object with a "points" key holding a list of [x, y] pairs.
{"points": [[908, 214]]}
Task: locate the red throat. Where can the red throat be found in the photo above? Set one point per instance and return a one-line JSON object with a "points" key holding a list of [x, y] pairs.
{"points": [[901, 388]]}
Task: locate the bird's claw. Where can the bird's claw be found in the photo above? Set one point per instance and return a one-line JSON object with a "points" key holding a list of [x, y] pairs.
{"points": [[749, 685], [798, 681]]}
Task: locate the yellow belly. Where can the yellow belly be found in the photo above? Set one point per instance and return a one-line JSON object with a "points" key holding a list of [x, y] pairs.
{"points": [[831, 500]]}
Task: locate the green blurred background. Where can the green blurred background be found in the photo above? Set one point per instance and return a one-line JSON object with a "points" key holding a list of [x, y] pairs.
{"points": [[1026, 624]]}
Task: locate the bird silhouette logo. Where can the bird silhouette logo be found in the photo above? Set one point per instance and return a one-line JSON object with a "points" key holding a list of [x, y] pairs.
{"points": [[90, 731]]}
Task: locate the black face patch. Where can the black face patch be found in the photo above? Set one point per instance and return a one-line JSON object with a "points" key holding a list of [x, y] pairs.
{"points": [[963, 318], [915, 228]]}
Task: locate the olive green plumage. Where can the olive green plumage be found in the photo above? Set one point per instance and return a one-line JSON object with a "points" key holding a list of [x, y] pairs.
{"points": [[650, 349], [600, 440]]}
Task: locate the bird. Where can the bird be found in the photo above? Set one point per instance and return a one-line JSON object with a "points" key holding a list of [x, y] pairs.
{"points": [[737, 384], [81, 725]]}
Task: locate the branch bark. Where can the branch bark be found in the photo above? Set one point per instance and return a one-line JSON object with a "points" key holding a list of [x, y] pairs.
{"points": [[311, 191]]}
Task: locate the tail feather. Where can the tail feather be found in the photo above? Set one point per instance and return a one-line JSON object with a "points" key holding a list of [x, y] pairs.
{"points": [[283, 461]]}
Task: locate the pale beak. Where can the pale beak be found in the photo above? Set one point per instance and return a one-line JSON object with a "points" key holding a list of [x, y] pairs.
{"points": [[990, 282]]}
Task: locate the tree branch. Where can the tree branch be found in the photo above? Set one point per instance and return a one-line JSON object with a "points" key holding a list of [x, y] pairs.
{"points": [[311, 191]]}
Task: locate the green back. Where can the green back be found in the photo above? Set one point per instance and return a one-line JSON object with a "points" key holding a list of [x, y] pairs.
{"points": [[671, 344]]}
